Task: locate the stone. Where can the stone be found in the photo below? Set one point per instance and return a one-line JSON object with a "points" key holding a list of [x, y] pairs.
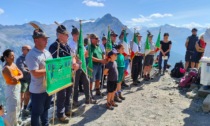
{"points": [[191, 94], [202, 92], [206, 104]]}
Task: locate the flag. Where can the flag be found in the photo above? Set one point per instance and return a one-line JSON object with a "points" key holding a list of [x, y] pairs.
{"points": [[90, 61], [81, 50], [108, 43], [157, 45], [135, 47], [147, 46], [125, 44]]}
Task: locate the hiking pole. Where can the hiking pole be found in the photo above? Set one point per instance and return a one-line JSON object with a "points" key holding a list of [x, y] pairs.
{"points": [[54, 109], [72, 96], [102, 83]]}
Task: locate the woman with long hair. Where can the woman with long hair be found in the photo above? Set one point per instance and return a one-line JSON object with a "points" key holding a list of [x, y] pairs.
{"points": [[12, 76]]}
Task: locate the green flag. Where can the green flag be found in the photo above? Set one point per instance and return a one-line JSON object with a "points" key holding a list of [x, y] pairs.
{"points": [[157, 45], [90, 61], [147, 46], [81, 50], [108, 43]]}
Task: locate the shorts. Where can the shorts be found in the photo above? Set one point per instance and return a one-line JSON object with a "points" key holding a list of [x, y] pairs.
{"points": [[197, 56], [148, 61], [97, 73], [120, 74], [111, 86], [190, 56], [24, 87]]}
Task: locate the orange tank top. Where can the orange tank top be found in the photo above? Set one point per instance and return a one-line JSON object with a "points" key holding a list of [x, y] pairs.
{"points": [[14, 72]]}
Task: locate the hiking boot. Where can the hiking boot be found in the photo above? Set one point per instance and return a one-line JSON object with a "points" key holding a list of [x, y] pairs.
{"points": [[70, 113], [90, 101], [117, 99], [135, 83], [145, 78], [148, 77], [63, 120], [138, 81], [25, 113], [109, 106], [164, 72], [159, 72], [76, 104], [114, 104], [124, 84], [121, 96], [98, 92]]}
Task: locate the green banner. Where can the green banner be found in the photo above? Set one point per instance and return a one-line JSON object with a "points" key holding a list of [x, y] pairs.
{"points": [[58, 74]]}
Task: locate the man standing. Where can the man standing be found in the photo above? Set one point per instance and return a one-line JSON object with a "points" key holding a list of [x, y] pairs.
{"points": [[190, 49], [103, 44], [35, 60], [137, 60], [60, 49], [103, 48], [113, 39], [98, 60], [81, 76], [25, 81], [149, 58]]}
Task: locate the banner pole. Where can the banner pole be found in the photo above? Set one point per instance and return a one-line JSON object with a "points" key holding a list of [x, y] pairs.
{"points": [[54, 109]]}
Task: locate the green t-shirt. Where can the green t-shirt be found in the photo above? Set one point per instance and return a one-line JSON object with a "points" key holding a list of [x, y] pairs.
{"points": [[1, 121], [120, 60], [97, 53]]}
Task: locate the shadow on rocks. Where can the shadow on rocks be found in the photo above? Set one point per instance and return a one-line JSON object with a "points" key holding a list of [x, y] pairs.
{"points": [[92, 114]]}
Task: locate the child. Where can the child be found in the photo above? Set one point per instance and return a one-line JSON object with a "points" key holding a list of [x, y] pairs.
{"points": [[120, 68], [112, 72], [3, 122]]}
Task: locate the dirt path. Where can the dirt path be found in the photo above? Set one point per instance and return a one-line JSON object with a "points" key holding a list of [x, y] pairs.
{"points": [[158, 103]]}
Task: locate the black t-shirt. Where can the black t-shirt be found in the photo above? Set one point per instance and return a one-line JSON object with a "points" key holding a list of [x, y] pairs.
{"points": [[113, 72], [165, 46]]}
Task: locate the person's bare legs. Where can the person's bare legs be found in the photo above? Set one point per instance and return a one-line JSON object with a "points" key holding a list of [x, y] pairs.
{"points": [[97, 84], [192, 64], [21, 99], [186, 65], [196, 65], [26, 98]]}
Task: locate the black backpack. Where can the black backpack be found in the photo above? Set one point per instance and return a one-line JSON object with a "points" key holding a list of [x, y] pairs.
{"points": [[175, 72]]}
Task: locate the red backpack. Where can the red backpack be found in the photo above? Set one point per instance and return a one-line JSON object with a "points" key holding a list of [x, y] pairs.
{"points": [[188, 79]]}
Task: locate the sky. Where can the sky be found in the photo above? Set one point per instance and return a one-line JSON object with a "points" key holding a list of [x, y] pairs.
{"points": [[133, 13]]}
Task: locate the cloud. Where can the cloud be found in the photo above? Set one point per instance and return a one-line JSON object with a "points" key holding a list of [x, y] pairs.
{"points": [[1, 11], [143, 19], [195, 25], [92, 3], [158, 15]]}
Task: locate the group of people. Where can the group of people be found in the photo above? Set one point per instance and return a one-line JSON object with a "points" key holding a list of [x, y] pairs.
{"points": [[25, 79], [195, 47]]}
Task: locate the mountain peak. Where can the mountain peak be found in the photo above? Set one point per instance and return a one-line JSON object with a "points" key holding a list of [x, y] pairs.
{"points": [[108, 15]]}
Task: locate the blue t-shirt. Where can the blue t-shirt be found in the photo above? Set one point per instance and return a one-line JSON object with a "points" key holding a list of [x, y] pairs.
{"points": [[113, 72]]}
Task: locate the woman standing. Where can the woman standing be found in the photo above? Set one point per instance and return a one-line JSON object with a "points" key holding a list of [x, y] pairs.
{"points": [[12, 76], [165, 47], [200, 49]]}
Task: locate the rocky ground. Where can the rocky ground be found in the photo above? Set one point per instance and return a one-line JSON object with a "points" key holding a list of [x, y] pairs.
{"points": [[156, 103]]}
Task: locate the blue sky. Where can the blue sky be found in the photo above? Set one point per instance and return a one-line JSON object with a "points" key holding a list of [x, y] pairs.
{"points": [[133, 13]]}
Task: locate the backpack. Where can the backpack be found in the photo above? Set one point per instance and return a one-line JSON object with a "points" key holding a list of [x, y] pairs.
{"points": [[188, 79], [175, 72]]}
